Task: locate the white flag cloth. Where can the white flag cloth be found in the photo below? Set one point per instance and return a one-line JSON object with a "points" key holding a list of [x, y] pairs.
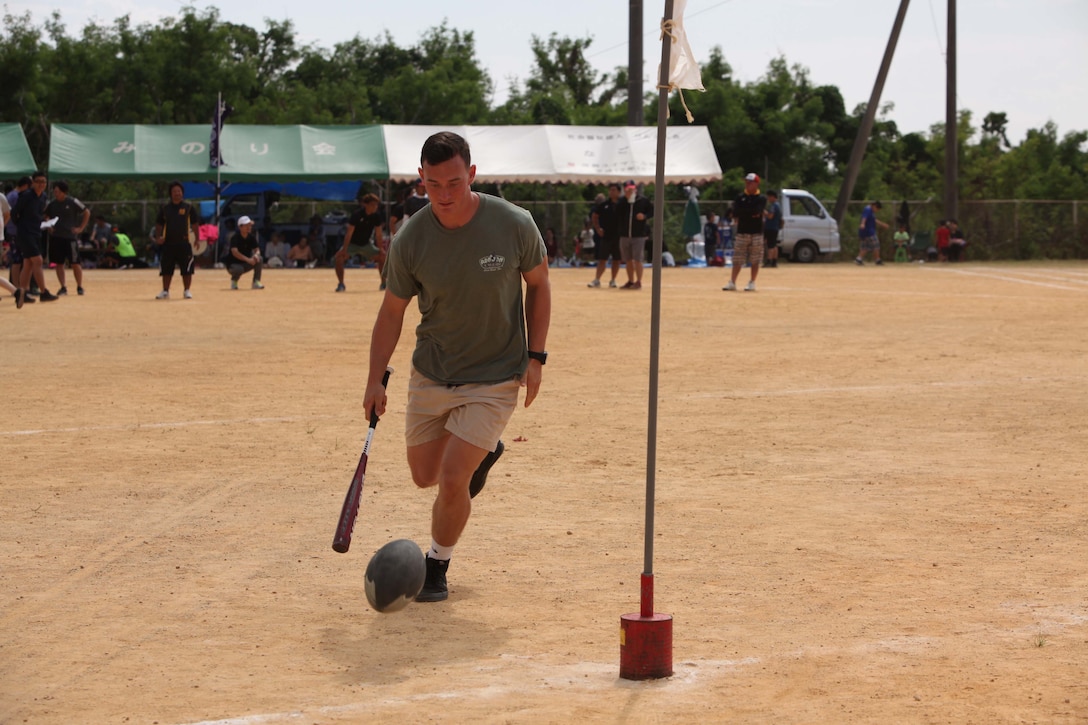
{"points": [[683, 68]]}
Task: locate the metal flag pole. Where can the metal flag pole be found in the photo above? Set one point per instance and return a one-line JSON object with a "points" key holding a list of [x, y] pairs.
{"points": [[218, 121], [646, 637]]}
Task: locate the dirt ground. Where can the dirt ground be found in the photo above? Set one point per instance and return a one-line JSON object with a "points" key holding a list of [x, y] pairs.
{"points": [[871, 506]]}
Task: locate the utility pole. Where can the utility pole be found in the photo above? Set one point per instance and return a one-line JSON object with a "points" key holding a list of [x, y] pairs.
{"points": [[951, 124], [857, 154], [634, 64]]}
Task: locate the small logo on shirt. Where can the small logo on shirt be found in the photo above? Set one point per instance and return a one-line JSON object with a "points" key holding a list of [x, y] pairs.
{"points": [[492, 262]]}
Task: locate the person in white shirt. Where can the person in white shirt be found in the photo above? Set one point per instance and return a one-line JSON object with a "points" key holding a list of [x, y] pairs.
{"points": [[276, 251]]}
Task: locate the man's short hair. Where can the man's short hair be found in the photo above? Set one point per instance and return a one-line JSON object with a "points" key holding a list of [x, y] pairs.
{"points": [[38, 175], [773, 193], [62, 185], [878, 205], [170, 189], [442, 147], [23, 181], [369, 199]]}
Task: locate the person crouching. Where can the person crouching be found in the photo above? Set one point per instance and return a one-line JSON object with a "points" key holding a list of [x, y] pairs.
{"points": [[245, 254]]}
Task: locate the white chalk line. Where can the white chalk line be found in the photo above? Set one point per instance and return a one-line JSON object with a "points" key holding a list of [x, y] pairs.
{"points": [[1007, 278], [157, 426], [1070, 277], [582, 676], [878, 388]]}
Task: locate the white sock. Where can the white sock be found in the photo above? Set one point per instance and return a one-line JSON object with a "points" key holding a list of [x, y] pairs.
{"points": [[442, 553]]}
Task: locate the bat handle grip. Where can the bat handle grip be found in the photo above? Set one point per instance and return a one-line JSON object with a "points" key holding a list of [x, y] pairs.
{"points": [[385, 383]]}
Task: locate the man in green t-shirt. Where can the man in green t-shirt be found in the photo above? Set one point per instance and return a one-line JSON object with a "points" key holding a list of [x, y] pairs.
{"points": [[479, 339]]}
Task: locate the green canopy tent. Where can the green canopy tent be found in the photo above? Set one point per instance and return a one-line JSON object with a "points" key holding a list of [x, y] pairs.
{"points": [[502, 154], [250, 153], [15, 157]]}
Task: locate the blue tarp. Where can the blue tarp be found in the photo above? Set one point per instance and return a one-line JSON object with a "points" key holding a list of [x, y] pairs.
{"points": [[323, 190]]}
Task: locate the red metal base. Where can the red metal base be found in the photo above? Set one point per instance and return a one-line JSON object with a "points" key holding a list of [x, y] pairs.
{"points": [[645, 646]]}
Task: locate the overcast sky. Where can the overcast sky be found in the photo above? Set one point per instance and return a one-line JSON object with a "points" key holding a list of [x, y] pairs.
{"points": [[1026, 58]]}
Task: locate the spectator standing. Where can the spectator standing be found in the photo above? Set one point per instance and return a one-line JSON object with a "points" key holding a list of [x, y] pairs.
{"points": [[174, 227], [364, 221], [772, 224], [466, 259], [606, 225], [748, 211], [15, 257], [868, 241], [28, 213], [72, 218], [634, 212], [5, 217], [245, 254]]}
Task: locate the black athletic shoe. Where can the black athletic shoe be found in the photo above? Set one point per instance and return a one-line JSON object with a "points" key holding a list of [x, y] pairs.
{"points": [[62, 291], [47, 296], [18, 298], [434, 586], [479, 478]]}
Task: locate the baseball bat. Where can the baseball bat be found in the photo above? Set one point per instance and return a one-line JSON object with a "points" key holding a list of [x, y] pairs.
{"points": [[350, 510]]}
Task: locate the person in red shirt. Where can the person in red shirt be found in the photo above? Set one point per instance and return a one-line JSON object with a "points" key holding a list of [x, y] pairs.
{"points": [[944, 239]]}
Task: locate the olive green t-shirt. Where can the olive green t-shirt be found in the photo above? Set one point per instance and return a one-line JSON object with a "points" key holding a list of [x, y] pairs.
{"points": [[468, 281]]}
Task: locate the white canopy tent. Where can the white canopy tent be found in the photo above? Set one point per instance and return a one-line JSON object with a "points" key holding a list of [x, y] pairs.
{"points": [[565, 154]]}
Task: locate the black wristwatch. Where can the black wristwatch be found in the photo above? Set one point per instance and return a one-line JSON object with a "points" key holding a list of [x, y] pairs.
{"points": [[541, 356]]}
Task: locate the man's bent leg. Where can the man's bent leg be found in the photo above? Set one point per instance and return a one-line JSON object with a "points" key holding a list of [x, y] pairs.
{"points": [[452, 505]]}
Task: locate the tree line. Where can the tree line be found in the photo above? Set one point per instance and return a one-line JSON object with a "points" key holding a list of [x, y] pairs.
{"points": [[782, 125]]}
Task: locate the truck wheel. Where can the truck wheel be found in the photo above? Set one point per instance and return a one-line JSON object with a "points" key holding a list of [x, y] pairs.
{"points": [[805, 252]]}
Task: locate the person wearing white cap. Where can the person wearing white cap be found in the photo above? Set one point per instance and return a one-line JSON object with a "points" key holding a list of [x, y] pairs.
{"points": [[748, 212], [245, 254]]}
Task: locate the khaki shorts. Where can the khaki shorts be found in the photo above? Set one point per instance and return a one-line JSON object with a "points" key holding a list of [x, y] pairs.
{"points": [[477, 413]]}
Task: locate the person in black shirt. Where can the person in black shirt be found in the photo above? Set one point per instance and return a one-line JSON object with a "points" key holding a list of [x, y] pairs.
{"points": [[606, 225], [245, 254], [175, 228], [748, 212], [27, 213], [364, 221], [72, 218]]}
